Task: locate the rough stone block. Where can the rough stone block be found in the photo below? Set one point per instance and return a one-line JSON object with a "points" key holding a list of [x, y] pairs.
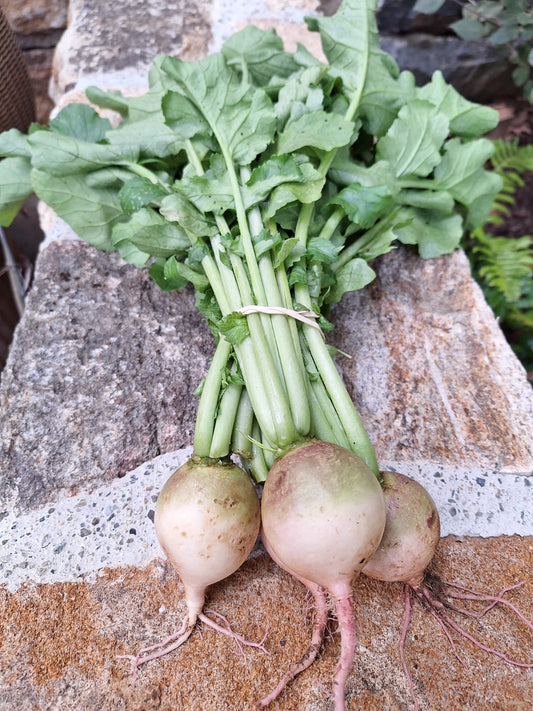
{"points": [[100, 376], [95, 43], [28, 17], [431, 370]]}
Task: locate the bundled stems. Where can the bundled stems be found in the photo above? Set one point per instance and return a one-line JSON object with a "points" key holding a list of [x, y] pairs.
{"points": [[292, 386]]}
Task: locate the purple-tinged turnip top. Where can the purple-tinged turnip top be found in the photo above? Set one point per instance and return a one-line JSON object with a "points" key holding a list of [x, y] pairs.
{"points": [[412, 532], [410, 539], [323, 516]]}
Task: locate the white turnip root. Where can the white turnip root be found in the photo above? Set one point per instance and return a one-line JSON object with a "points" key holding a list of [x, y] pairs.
{"points": [[207, 521], [323, 515], [410, 539]]}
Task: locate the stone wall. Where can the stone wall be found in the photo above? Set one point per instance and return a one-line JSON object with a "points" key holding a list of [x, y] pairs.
{"points": [[420, 43], [38, 26]]}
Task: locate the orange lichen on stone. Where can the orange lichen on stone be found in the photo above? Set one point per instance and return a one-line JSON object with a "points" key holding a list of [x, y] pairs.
{"points": [[59, 643]]}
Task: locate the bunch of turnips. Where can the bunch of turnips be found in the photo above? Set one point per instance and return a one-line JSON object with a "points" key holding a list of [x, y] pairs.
{"points": [[270, 181]]}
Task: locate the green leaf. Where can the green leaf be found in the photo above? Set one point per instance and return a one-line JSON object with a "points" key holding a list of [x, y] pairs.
{"points": [[149, 137], [177, 208], [113, 100], [307, 191], [346, 171], [153, 234], [383, 237], [208, 193], [183, 117], [469, 28], [274, 171], [503, 35], [322, 250], [290, 250], [175, 270], [466, 118], [91, 212], [265, 241], [13, 144], [427, 7], [80, 121], [139, 192], [352, 276], [300, 94], [413, 142], [258, 55], [15, 187], [350, 42], [63, 155], [241, 117], [128, 251], [433, 233], [316, 130], [234, 328], [438, 200], [364, 204], [461, 173], [163, 275], [113, 177]]}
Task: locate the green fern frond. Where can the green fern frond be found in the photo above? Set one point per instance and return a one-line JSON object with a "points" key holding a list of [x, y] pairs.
{"points": [[509, 161], [503, 264], [508, 155]]}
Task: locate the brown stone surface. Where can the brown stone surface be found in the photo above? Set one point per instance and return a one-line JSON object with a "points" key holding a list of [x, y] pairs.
{"points": [[96, 43], [59, 642], [450, 389], [31, 16]]}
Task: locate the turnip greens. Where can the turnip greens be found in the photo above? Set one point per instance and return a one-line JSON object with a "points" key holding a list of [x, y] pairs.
{"points": [[266, 178]]}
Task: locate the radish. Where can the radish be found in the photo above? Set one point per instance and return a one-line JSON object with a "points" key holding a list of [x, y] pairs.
{"points": [[207, 520], [410, 539], [323, 515]]}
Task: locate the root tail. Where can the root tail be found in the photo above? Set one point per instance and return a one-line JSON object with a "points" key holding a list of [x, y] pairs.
{"points": [[319, 627], [345, 610]]}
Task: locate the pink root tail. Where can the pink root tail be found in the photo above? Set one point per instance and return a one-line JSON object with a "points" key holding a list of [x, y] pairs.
{"points": [[319, 627], [345, 610]]}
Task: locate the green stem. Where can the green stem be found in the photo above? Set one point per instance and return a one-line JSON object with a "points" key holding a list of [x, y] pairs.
{"points": [[332, 223], [207, 407], [242, 428], [257, 463], [334, 384], [225, 420], [255, 355], [365, 240]]}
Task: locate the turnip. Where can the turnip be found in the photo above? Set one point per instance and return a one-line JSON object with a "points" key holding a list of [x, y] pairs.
{"points": [[323, 515], [207, 520], [410, 539]]}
